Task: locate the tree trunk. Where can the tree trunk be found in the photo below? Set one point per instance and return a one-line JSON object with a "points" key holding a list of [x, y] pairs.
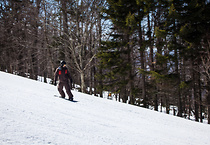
{"points": [[99, 41], [180, 111], [167, 104], [189, 109], [195, 91], [82, 76], [208, 101], [151, 63], [123, 94], [65, 29], [142, 67], [200, 99]]}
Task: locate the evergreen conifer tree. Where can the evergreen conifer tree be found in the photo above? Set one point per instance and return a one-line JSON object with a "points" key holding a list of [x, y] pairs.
{"points": [[115, 54]]}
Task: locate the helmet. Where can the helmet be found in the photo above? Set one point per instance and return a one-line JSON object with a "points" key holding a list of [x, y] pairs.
{"points": [[62, 62]]}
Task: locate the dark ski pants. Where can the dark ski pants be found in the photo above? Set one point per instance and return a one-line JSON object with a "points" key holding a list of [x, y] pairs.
{"points": [[67, 87]]}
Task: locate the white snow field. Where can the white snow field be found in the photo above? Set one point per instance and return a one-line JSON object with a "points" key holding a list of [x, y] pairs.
{"points": [[30, 114]]}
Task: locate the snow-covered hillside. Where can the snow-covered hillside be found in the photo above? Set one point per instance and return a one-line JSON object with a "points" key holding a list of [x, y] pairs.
{"points": [[30, 114]]}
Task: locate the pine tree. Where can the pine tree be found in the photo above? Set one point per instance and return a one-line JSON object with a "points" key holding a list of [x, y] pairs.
{"points": [[115, 54], [188, 21]]}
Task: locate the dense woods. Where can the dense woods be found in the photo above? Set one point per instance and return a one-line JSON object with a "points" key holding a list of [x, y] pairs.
{"points": [[150, 53]]}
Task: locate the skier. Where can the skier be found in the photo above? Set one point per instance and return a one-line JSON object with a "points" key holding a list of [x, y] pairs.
{"points": [[64, 76]]}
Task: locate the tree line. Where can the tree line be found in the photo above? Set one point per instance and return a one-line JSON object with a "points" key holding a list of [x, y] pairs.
{"points": [[149, 53]]}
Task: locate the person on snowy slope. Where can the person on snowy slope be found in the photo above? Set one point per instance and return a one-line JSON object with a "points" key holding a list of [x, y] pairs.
{"points": [[64, 76]]}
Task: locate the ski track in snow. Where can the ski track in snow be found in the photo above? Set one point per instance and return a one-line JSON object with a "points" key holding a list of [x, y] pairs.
{"points": [[30, 114]]}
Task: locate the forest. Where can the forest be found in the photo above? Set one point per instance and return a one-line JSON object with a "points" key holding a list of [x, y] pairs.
{"points": [[149, 53]]}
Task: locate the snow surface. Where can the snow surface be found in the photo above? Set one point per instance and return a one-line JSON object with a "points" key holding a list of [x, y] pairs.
{"points": [[30, 114]]}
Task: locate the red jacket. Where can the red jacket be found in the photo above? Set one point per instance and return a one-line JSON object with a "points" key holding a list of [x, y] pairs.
{"points": [[62, 74]]}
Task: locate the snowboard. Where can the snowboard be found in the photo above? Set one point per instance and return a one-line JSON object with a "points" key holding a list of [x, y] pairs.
{"points": [[65, 98]]}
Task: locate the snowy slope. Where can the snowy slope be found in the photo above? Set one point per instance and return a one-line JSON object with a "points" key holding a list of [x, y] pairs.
{"points": [[30, 114]]}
